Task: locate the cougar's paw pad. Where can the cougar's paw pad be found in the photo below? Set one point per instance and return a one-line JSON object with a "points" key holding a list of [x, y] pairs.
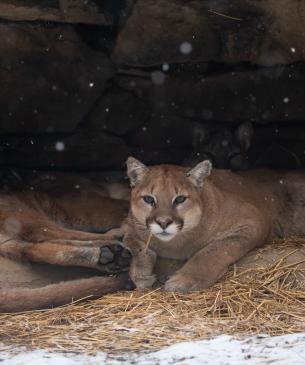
{"points": [[117, 248], [124, 259], [107, 255], [126, 254], [115, 258], [123, 262]]}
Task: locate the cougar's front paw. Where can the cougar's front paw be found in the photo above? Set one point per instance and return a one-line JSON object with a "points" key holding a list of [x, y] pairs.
{"points": [[183, 284], [114, 258], [144, 281], [141, 269]]}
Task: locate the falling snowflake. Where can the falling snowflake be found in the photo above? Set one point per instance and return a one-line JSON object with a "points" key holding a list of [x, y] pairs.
{"points": [[286, 100], [59, 146], [185, 48]]}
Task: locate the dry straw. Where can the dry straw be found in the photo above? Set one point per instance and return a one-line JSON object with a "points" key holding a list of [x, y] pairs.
{"points": [[255, 301]]}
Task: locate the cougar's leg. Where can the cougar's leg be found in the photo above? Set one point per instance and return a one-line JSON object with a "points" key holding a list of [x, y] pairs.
{"points": [[109, 258], [27, 233], [23, 299], [40, 230], [46, 232], [210, 263]]}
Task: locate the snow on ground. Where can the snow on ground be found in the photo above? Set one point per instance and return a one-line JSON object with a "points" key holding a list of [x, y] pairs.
{"points": [[222, 350]]}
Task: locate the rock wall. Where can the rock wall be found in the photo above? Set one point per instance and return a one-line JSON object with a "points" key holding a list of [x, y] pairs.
{"points": [[83, 87]]}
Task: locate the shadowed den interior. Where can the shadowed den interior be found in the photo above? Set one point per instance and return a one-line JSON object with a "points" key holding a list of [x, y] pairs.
{"points": [[86, 90]]}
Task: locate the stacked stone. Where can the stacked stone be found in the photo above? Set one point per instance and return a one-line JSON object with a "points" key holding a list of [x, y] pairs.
{"points": [[83, 87]]}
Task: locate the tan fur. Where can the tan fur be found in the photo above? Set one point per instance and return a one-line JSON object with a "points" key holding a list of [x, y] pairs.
{"points": [[50, 224], [224, 216], [22, 299]]}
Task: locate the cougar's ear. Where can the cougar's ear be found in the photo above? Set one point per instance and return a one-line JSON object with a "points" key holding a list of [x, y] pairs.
{"points": [[244, 135], [136, 171], [200, 172]]}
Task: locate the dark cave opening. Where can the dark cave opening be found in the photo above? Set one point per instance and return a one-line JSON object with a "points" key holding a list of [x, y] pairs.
{"points": [[81, 96]]}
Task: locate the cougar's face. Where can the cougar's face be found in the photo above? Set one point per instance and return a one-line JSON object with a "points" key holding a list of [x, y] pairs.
{"points": [[166, 203]]}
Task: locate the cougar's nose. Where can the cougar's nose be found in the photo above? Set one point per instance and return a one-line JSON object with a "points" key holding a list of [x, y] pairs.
{"points": [[164, 222]]}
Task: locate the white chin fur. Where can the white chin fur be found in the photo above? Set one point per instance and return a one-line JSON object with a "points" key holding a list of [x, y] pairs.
{"points": [[165, 238], [171, 231]]}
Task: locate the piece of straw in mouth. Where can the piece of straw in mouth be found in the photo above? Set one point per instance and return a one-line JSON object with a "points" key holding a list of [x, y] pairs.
{"points": [[148, 241]]}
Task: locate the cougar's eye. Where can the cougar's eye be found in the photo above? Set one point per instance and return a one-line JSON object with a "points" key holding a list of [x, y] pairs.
{"points": [[179, 199], [149, 199]]}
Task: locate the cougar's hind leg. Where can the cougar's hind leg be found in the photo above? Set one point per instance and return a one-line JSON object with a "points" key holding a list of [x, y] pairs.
{"points": [[47, 230], [24, 299], [117, 233], [110, 258], [28, 234]]}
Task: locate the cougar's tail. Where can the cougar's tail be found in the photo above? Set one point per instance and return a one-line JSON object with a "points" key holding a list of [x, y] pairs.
{"points": [[25, 299]]}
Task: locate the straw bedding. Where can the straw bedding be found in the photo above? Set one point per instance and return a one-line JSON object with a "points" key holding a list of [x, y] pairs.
{"points": [[253, 301]]}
